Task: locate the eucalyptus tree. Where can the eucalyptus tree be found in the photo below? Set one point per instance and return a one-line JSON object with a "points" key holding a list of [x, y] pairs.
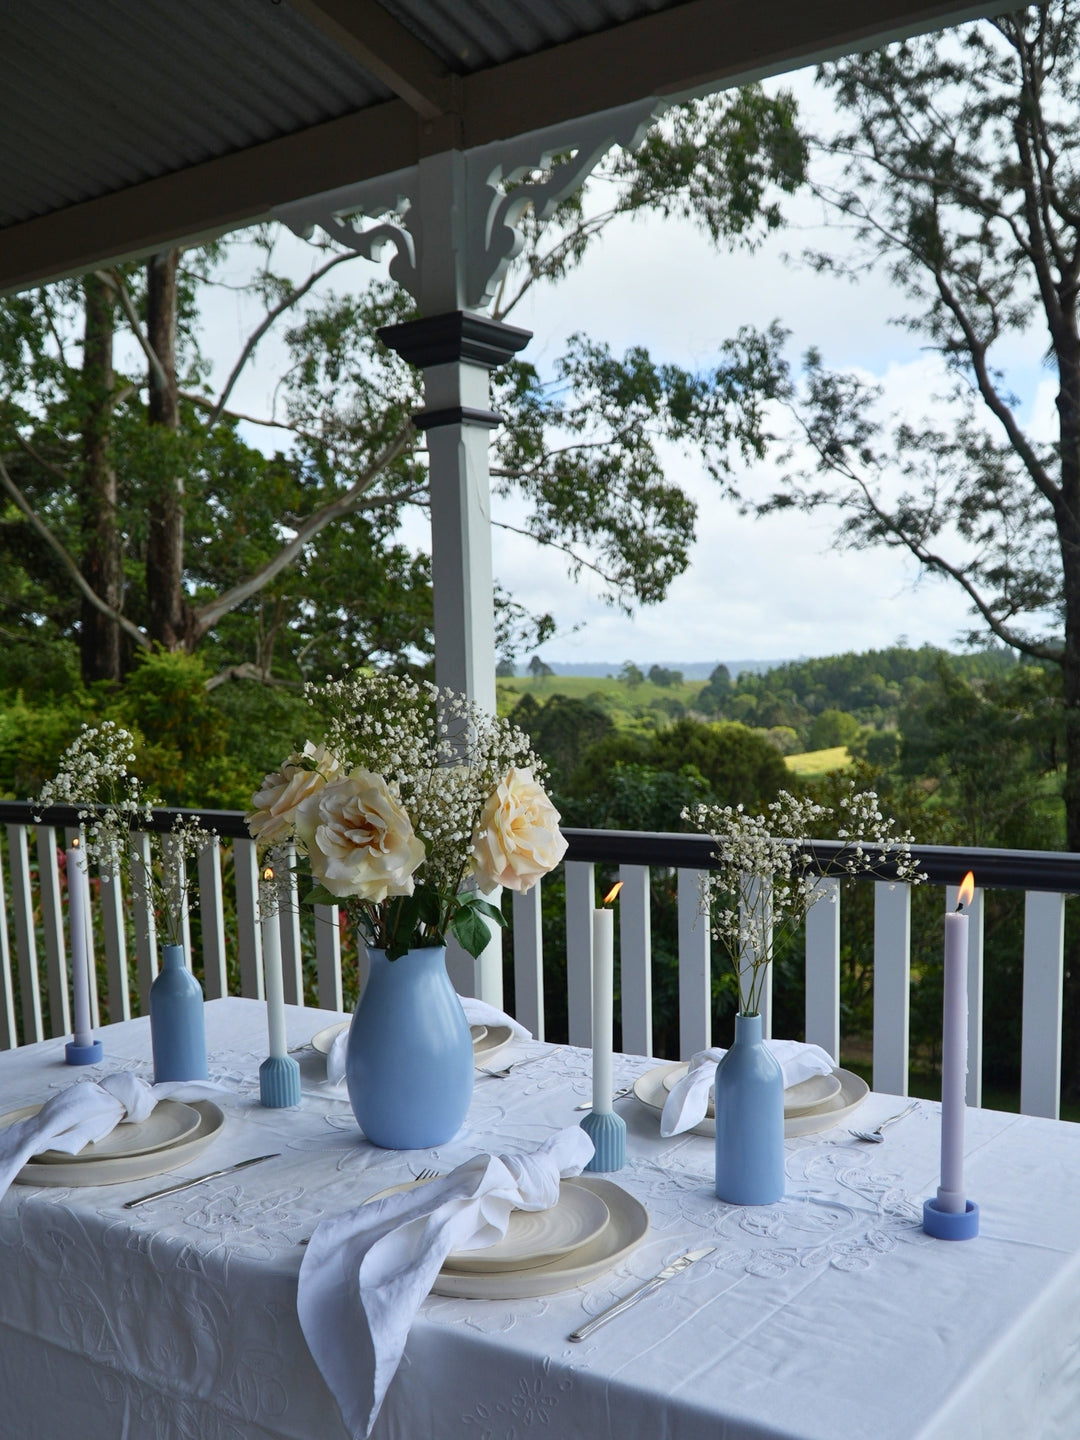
{"points": [[137, 513], [959, 177]]}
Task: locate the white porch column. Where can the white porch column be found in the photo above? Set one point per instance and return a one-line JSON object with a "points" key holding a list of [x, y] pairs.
{"points": [[456, 352]]}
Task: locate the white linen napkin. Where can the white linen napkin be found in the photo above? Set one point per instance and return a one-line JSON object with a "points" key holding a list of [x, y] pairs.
{"points": [[367, 1271], [689, 1099], [477, 1012], [88, 1111]]}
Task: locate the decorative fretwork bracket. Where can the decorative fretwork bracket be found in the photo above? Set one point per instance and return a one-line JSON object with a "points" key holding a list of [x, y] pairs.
{"points": [[453, 218]]}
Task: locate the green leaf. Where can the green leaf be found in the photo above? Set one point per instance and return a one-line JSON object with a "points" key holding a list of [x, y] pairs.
{"points": [[471, 931], [484, 907], [319, 895]]}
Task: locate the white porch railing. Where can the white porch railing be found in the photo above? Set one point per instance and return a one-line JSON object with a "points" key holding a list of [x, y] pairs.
{"points": [[33, 944]]}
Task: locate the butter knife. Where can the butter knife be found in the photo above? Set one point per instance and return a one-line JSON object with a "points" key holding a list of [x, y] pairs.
{"points": [[615, 1095], [200, 1180], [669, 1271]]}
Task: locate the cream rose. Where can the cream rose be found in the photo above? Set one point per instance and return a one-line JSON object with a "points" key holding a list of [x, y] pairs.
{"points": [[276, 803], [359, 841], [518, 838]]}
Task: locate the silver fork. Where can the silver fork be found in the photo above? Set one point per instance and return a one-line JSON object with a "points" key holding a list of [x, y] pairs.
{"points": [[499, 1074], [875, 1137], [419, 1177]]}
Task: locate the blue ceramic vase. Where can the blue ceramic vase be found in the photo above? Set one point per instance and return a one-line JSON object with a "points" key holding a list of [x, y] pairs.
{"points": [[749, 1099], [409, 1062], [177, 1024]]}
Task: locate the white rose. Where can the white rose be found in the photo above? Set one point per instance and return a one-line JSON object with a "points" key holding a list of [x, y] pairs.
{"points": [[358, 839], [518, 838], [276, 803]]}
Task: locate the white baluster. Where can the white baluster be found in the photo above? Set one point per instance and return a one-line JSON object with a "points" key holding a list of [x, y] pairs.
{"points": [[580, 903], [529, 961], [1044, 973], [695, 969], [823, 970], [892, 985], [635, 959]]}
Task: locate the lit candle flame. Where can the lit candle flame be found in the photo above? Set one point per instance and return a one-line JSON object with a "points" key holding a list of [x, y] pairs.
{"points": [[966, 893], [610, 896], [268, 873], [76, 843]]}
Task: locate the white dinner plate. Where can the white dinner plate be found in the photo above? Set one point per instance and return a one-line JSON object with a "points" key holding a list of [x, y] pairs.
{"points": [[810, 1094], [626, 1229], [122, 1168], [494, 1039], [650, 1090], [169, 1123], [533, 1237], [487, 1039], [323, 1042], [798, 1099]]}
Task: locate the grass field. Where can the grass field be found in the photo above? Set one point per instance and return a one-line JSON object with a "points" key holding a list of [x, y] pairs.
{"points": [[618, 699], [818, 762]]}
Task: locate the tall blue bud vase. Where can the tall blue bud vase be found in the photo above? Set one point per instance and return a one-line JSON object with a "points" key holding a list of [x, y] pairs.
{"points": [[749, 1099], [177, 1024], [409, 1062]]}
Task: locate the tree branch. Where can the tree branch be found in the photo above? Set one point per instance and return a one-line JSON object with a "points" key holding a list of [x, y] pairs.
{"points": [[261, 329], [579, 560], [115, 282], [68, 562], [207, 616]]}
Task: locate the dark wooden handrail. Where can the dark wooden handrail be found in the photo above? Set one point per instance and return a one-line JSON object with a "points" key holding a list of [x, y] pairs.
{"points": [[1050, 870]]}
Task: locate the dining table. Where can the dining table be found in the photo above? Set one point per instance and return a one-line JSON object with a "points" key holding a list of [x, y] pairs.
{"points": [[829, 1315]]}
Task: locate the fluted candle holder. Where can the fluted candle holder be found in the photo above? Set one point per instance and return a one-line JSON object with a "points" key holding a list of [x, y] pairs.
{"points": [[607, 1131], [279, 1082]]}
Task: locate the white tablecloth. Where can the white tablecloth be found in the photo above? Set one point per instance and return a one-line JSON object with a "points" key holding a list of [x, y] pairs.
{"points": [[830, 1316]]}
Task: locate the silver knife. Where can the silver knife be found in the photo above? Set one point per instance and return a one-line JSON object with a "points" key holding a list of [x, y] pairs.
{"points": [[675, 1268], [616, 1095], [200, 1180]]}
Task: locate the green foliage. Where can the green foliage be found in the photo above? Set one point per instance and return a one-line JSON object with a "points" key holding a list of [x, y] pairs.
{"points": [[562, 730], [832, 727]]}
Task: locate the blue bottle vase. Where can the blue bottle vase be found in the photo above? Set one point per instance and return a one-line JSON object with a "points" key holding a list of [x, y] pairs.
{"points": [[749, 1099], [409, 1062], [177, 1023]]}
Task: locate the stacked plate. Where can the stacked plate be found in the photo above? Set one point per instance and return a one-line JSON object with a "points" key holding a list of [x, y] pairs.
{"points": [[593, 1226], [486, 1039], [809, 1107], [169, 1137]]}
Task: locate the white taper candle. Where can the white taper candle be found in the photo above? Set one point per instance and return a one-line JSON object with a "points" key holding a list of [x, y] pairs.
{"points": [[78, 900], [603, 986], [272, 981], [951, 1197]]}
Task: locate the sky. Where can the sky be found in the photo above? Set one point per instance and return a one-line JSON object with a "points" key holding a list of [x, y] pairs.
{"points": [[772, 589]]}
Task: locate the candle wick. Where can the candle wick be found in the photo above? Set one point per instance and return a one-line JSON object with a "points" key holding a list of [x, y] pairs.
{"points": [[959, 908]]}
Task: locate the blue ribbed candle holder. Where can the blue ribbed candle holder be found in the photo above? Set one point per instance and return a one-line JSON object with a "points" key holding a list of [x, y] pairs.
{"points": [[279, 1082], [607, 1131]]}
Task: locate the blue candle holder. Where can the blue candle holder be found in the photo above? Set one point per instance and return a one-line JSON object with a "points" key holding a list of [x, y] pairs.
{"points": [[279, 1082], [949, 1224], [83, 1054], [607, 1131]]}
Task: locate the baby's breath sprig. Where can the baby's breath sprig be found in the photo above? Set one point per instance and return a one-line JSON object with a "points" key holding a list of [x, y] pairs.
{"points": [[765, 880], [95, 777]]}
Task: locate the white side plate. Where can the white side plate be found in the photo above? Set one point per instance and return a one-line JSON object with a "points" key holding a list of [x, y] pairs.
{"points": [[651, 1091], [533, 1237], [131, 1167], [169, 1123], [627, 1228]]}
